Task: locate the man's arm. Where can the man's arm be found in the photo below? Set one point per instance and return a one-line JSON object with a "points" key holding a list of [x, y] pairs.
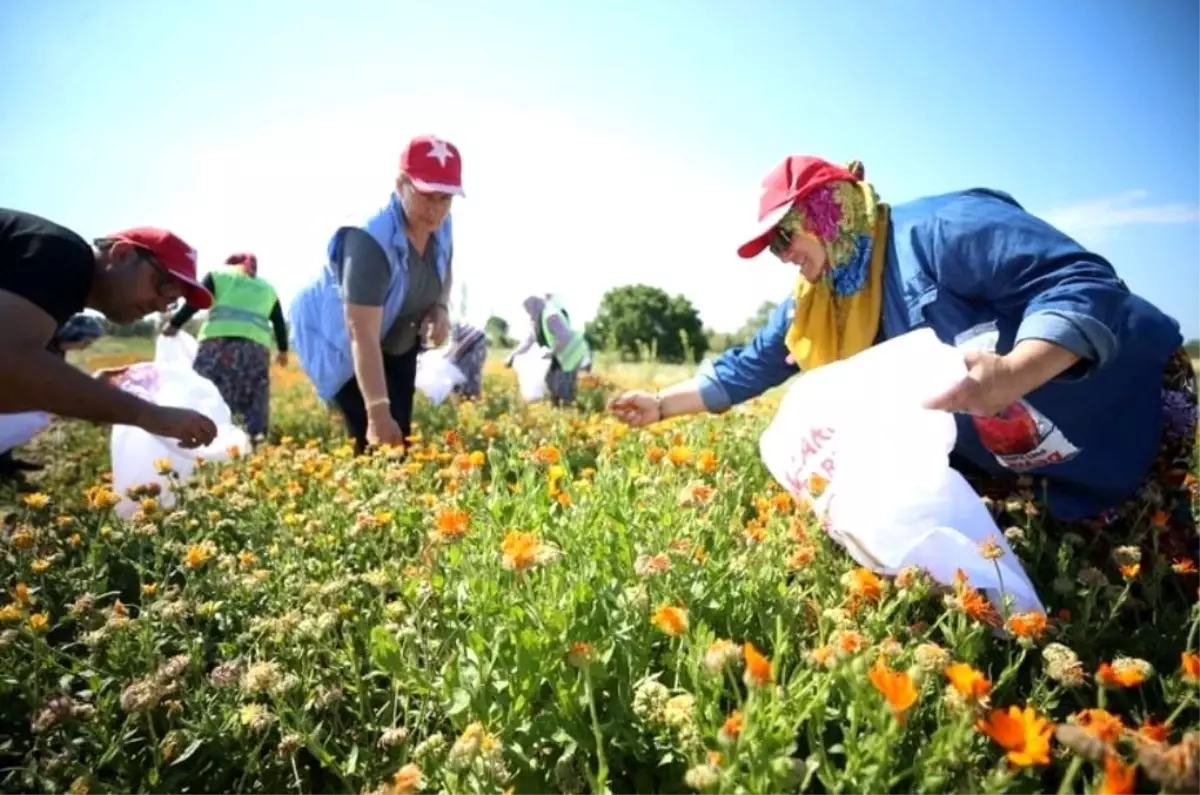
{"points": [[33, 379]]}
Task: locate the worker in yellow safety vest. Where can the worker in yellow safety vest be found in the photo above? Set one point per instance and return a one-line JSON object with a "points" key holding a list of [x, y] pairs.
{"points": [[235, 339]]}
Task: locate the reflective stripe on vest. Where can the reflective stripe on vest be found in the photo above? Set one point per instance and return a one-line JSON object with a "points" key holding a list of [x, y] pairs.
{"points": [[234, 314], [576, 350]]}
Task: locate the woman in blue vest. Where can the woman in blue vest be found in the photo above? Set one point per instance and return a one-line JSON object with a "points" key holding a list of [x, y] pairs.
{"points": [[235, 340], [357, 327], [569, 351], [1056, 345]]}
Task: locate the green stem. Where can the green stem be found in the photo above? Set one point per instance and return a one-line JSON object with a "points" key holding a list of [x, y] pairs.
{"points": [[1069, 779], [601, 783]]}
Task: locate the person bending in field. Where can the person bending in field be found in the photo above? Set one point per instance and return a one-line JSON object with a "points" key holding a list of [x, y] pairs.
{"points": [[468, 352], [569, 350], [1077, 389], [359, 324], [48, 274], [76, 334]]}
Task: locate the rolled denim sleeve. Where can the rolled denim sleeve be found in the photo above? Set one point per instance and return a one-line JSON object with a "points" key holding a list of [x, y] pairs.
{"points": [[988, 248], [745, 372]]}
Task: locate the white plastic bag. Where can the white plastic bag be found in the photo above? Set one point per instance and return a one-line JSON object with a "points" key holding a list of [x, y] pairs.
{"points": [[531, 368], [437, 375], [852, 440], [17, 429], [169, 380]]}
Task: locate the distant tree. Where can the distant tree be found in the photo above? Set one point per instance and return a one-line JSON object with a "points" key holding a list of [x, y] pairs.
{"points": [[1193, 348], [496, 329], [639, 320]]}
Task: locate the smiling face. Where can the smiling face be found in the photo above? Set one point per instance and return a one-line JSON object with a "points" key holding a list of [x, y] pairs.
{"points": [[801, 249]]}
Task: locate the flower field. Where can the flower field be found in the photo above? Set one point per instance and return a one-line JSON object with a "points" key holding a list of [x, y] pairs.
{"points": [[542, 600]]}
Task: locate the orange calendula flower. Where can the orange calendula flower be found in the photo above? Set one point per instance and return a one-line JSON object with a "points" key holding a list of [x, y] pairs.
{"points": [[731, 728], [679, 455], [969, 682], [451, 523], [407, 781], [670, 619], [1023, 733], [547, 454], [1154, 731], [1100, 723], [706, 461], [974, 604], [1031, 625], [758, 667], [1119, 778], [817, 485], [1123, 673], [864, 585], [896, 686], [1184, 566], [580, 653], [1189, 666], [519, 550]]}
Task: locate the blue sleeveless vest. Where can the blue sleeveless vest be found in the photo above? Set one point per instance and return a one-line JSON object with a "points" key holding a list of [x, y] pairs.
{"points": [[316, 316]]}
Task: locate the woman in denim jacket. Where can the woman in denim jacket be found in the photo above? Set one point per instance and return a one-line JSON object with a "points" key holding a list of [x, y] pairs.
{"points": [[1056, 345]]}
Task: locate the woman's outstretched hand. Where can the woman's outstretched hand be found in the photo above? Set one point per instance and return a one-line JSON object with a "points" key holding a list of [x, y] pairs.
{"points": [[637, 408]]}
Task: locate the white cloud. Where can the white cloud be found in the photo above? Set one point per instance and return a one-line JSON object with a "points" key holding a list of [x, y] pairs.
{"points": [[1095, 220]]}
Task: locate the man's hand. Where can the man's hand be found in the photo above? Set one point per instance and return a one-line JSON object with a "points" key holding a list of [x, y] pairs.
{"points": [[637, 408], [281, 358], [437, 320], [109, 374], [191, 428]]}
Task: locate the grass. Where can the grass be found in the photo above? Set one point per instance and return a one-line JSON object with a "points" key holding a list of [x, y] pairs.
{"points": [[541, 600]]}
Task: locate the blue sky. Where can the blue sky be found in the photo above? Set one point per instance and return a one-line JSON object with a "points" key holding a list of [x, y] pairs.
{"points": [[604, 143]]}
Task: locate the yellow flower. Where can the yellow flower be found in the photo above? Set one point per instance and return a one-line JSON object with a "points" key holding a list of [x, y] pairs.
{"points": [[37, 500], [38, 622]]}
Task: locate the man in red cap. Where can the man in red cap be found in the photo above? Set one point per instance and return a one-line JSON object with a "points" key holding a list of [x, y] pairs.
{"points": [[48, 274], [357, 327]]}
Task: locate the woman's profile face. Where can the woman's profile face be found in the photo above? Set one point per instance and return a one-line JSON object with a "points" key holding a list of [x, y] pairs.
{"points": [[805, 252]]}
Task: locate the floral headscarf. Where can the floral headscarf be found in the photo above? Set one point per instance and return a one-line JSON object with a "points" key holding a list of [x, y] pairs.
{"points": [[839, 315]]}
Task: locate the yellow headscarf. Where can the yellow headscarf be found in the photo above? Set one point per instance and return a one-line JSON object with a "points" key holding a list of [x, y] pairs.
{"points": [[839, 315]]}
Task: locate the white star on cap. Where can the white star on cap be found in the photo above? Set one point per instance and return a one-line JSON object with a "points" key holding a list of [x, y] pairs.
{"points": [[440, 151]]}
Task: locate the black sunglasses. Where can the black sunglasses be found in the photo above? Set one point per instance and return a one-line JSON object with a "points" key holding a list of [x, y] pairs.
{"points": [[781, 240], [165, 284]]}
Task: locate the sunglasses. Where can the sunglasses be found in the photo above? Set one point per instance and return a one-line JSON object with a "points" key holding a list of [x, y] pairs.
{"points": [[165, 284], [781, 241]]}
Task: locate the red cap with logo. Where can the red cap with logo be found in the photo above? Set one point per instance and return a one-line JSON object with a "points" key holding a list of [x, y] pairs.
{"points": [[433, 165], [786, 185], [176, 256]]}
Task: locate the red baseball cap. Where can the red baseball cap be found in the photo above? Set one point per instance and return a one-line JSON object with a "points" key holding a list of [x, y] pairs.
{"points": [[433, 165], [784, 186], [174, 255]]}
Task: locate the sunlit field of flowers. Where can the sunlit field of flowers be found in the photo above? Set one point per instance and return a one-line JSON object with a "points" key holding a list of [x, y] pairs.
{"points": [[541, 600]]}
